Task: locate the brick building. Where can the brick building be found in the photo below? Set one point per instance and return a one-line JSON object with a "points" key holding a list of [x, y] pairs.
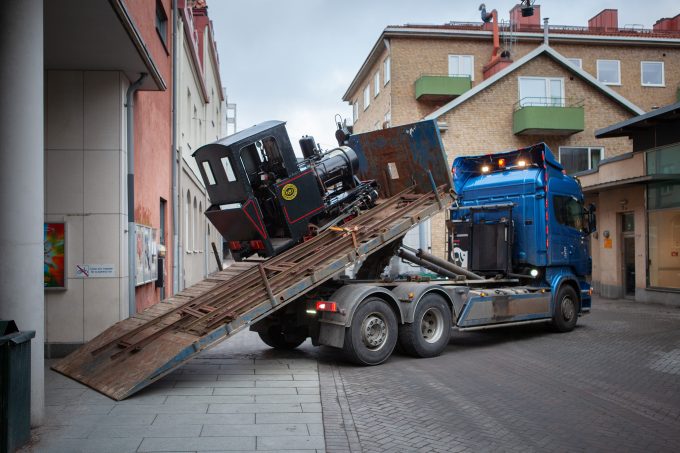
{"points": [[556, 84]]}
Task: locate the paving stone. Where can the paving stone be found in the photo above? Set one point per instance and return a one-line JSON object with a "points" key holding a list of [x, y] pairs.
{"points": [[307, 417], [255, 377], [226, 399], [156, 430], [150, 444], [187, 408], [254, 408], [257, 391], [205, 419], [287, 399], [286, 442], [287, 383], [127, 445], [261, 429]]}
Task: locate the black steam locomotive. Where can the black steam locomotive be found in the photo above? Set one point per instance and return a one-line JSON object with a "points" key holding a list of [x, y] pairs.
{"points": [[265, 199]]}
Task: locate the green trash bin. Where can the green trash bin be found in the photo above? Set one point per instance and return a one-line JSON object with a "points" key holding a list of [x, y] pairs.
{"points": [[15, 386]]}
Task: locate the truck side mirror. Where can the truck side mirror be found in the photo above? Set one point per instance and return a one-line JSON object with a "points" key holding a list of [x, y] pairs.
{"points": [[592, 220]]}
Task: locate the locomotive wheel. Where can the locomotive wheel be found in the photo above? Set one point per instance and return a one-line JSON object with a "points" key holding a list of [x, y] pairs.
{"points": [[429, 333], [275, 338], [372, 336]]}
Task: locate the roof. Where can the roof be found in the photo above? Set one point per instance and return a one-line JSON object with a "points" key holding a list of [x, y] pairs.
{"points": [[475, 30], [247, 133], [630, 126], [540, 50]]}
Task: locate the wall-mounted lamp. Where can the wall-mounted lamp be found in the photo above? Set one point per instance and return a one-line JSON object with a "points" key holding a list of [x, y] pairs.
{"points": [[605, 233], [623, 203]]}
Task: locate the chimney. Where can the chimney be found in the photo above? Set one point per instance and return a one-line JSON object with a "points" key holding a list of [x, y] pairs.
{"points": [[526, 23], [668, 24], [546, 29], [606, 20]]}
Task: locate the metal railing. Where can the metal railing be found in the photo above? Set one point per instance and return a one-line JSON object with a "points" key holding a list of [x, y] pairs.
{"points": [[533, 101]]}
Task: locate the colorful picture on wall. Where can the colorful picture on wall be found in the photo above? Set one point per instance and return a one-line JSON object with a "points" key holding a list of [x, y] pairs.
{"points": [[146, 255], [55, 256]]}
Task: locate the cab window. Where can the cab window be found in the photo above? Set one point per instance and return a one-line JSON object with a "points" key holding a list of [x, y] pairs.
{"points": [[568, 211]]}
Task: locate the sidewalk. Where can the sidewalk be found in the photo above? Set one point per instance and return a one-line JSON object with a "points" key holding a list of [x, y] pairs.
{"points": [[235, 397]]}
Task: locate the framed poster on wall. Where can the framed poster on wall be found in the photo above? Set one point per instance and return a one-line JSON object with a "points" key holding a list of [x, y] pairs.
{"points": [[54, 239], [146, 254]]}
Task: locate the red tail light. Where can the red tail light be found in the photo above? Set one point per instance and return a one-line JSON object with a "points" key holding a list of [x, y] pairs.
{"points": [[234, 245], [323, 305], [257, 245]]}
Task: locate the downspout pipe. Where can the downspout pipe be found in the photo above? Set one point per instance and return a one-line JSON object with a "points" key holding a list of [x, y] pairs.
{"points": [[132, 239], [173, 152]]}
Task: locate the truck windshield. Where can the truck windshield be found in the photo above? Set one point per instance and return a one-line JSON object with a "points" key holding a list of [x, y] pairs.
{"points": [[568, 211]]}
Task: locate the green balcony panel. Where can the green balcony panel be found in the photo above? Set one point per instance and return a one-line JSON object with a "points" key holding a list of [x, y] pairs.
{"points": [[547, 120], [441, 88]]}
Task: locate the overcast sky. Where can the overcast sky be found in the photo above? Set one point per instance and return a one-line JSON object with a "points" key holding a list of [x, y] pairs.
{"points": [[292, 60]]}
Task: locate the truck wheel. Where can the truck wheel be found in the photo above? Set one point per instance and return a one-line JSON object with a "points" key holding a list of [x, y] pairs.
{"points": [[429, 333], [275, 338], [566, 309], [371, 337]]}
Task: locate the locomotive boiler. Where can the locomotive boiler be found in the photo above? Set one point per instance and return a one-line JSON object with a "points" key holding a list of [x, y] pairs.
{"points": [[264, 199]]}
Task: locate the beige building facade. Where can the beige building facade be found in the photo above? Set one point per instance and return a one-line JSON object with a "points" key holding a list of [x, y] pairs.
{"points": [[202, 105], [556, 85]]}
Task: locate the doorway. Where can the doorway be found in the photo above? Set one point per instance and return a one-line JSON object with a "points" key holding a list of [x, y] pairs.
{"points": [[628, 252]]}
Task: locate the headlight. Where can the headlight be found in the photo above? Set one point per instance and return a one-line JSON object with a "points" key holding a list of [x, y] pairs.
{"points": [[533, 273]]}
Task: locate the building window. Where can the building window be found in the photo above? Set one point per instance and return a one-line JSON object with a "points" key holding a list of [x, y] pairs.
{"points": [[388, 119], [582, 158], [163, 207], [355, 111], [609, 72], [663, 203], [462, 65], [652, 74], [387, 68], [194, 230], [576, 62], [663, 160], [367, 96], [162, 23], [187, 223], [541, 91], [376, 82]]}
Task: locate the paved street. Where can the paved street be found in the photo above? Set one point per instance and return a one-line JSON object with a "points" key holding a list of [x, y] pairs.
{"points": [[613, 384]]}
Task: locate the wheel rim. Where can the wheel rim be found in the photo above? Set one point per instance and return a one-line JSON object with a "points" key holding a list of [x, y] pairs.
{"points": [[568, 308], [374, 331], [432, 325]]}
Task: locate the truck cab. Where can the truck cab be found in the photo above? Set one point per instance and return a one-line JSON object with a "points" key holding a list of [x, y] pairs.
{"points": [[524, 203]]}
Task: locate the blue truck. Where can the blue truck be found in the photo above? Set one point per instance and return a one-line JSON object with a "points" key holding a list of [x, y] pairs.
{"points": [[517, 246]]}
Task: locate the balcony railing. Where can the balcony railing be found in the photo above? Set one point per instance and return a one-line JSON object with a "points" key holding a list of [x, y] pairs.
{"points": [[548, 116], [441, 87]]}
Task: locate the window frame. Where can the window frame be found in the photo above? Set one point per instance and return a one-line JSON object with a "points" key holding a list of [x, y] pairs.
{"points": [[376, 84], [472, 66], [367, 96], [355, 111], [387, 70], [580, 62], [547, 81], [161, 23], [590, 158], [663, 74], [618, 70]]}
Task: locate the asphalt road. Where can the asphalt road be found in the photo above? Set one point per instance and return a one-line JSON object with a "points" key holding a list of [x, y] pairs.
{"points": [[613, 384]]}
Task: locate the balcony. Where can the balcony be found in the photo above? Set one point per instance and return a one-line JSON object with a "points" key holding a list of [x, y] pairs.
{"points": [[431, 88], [548, 116]]}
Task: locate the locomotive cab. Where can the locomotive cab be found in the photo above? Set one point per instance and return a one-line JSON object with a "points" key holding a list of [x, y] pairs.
{"points": [[264, 199]]}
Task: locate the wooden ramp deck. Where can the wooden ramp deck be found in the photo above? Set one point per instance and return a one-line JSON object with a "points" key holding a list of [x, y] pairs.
{"points": [[135, 352]]}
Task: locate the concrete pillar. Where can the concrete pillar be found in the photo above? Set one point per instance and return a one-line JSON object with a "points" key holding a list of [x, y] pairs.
{"points": [[21, 180]]}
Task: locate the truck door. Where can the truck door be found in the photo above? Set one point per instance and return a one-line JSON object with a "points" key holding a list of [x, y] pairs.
{"points": [[568, 245]]}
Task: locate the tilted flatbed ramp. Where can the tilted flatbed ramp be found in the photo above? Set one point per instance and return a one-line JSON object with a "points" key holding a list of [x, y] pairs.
{"points": [[143, 348]]}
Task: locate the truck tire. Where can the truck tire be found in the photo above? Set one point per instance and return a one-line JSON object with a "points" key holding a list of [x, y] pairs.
{"points": [[372, 336], [566, 309], [429, 333], [275, 338]]}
